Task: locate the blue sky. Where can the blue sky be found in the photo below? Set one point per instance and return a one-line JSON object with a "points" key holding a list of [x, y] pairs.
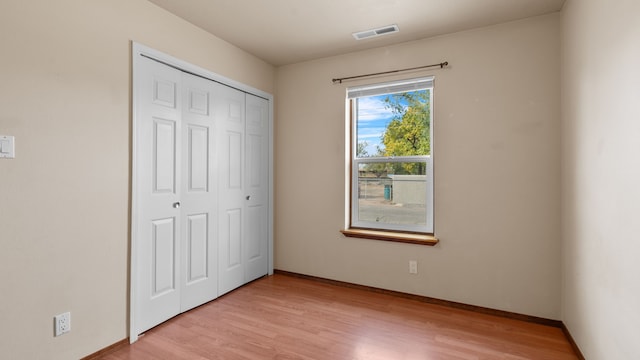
{"points": [[373, 118]]}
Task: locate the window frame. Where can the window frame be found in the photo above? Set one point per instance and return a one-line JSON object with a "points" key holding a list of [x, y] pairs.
{"points": [[395, 232]]}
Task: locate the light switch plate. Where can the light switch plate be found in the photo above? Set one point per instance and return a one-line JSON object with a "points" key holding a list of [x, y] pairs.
{"points": [[7, 147]]}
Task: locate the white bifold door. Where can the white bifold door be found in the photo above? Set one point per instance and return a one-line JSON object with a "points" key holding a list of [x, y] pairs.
{"points": [[200, 212], [244, 157]]}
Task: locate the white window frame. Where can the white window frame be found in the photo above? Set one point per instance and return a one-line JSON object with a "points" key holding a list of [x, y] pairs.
{"points": [[382, 89]]}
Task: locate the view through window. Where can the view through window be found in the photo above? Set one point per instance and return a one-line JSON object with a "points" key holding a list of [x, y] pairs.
{"points": [[392, 172]]}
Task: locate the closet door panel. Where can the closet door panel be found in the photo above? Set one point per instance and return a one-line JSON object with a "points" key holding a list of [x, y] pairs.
{"points": [[229, 113], [256, 184], [158, 121], [199, 236]]}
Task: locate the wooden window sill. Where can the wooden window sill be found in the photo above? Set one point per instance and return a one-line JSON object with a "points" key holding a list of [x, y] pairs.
{"points": [[411, 238]]}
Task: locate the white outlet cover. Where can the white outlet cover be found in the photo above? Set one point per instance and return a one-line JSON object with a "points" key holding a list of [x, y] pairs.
{"points": [[413, 267], [62, 324], [7, 147]]}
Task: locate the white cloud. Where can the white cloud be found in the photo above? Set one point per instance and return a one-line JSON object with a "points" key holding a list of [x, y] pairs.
{"points": [[372, 109], [370, 136]]}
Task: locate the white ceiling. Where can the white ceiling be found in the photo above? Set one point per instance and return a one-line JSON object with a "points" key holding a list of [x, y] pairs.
{"points": [[289, 31]]}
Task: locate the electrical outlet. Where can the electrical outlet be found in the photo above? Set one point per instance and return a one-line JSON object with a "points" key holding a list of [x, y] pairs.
{"points": [[413, 267], [62, 323]]}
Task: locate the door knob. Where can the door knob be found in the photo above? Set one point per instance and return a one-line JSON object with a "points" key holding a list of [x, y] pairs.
{"points": [[176, 205], [248, 197]]}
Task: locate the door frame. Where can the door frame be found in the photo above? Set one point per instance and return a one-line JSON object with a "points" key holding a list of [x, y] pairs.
{"points": [[137, 51]]}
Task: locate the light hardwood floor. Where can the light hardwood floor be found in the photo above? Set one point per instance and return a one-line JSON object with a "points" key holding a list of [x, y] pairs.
{"points": [[285, 317]]}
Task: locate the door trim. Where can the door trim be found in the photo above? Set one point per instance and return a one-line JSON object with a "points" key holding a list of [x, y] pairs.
{"points": [[139, 50]]}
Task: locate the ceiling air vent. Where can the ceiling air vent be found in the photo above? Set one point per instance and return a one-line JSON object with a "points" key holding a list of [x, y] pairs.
{"points": [[376, 32]]}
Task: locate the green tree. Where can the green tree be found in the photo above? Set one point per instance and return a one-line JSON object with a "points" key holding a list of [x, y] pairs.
{"points": [[361, 149], [408, 133]]}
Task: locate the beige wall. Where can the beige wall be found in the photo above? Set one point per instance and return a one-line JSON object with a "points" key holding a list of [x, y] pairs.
{"points": [[64, 201], [497, 176], [601, 176]]}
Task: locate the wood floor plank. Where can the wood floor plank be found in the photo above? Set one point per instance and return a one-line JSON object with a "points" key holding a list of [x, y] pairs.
{"points": [[285, 317]]}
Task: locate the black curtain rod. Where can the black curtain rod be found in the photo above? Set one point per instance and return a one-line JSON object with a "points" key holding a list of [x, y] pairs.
{"points": [[339, 80]]}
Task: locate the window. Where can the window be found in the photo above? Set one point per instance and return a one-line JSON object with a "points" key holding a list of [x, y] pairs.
{"points": [[391, 165]]}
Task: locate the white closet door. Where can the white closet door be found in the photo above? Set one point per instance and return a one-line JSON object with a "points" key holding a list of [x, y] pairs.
{"points": [[229, 109], [244, 180], [199, 277], [157, 167], [255, 249], [200, 198], [176, 193]]}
